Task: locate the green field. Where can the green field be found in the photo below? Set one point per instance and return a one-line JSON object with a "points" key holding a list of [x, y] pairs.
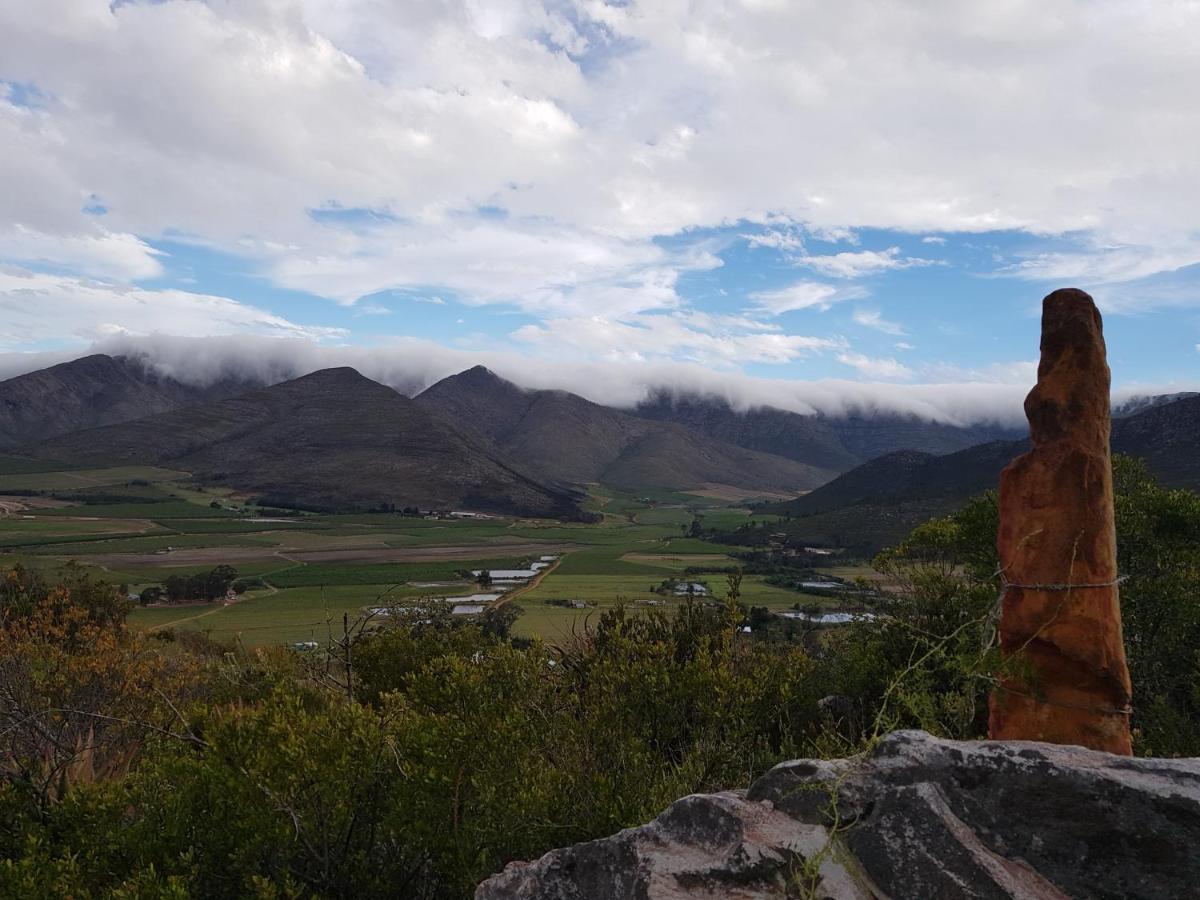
{"points": [[297, 614], [70, 479], [383, 574], [21, 465], [137, 526]]}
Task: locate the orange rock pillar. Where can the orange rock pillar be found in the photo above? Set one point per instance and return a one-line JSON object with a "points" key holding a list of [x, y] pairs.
{"points": [[1060, 620]]}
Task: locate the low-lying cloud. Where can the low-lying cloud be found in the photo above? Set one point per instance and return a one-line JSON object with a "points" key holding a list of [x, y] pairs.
{"points": [[409, 365]]}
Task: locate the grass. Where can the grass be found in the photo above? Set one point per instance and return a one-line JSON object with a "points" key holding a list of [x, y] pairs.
{"points": [[664, 515], [33, 527], [155, 510], [60, 479], [298, 614], [601, 561], [23, 465], [607, 589], [637, 546], [603, 592], [695, 545], [66, 540], [678, 562], [142, 543], [731, 518], [145, 576], [221, 522], [382, 573]]}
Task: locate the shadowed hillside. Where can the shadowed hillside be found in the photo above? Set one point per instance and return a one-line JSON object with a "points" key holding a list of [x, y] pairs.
{"points": [[880, 501], [829, 442], [567, 438], [89, 392], [329, 439]]}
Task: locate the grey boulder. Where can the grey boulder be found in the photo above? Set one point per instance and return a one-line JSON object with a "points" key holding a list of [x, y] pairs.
{"points": [[919, 818]]}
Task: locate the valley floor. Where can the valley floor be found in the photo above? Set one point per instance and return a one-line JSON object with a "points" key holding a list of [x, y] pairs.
{"points": [[139, 526]]}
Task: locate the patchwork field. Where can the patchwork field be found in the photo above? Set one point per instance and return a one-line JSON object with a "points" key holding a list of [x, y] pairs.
{"points": [[143, 527]]}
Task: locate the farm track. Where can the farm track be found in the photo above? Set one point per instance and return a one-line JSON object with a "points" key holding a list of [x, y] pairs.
{"points": [[530, 585], [269, 590]]}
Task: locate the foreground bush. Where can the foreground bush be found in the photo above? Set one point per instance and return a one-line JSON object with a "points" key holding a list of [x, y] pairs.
{"points": [[135, 767]]}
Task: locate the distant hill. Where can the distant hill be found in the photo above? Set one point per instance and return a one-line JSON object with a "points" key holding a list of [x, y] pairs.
{"points": [[332, 439], [828, 442], [1167, 437], [570, 439], [89, 392], [1142, 402], [880, 501]]}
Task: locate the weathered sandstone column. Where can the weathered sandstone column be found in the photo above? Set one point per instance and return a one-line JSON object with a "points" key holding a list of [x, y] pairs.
{"points": [[1060, 622]]}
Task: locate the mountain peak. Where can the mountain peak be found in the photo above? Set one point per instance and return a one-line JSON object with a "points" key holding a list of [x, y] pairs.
{"points": [[480, 376], [475, 381], [334, 373], [337, 379]]}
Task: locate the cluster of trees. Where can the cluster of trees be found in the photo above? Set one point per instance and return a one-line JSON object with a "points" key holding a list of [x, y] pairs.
{"points": [[417, 757], [212, 585], [387, 507]]}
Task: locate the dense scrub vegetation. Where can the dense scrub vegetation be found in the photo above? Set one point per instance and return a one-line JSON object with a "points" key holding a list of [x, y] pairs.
{"points": [[421, 754]]}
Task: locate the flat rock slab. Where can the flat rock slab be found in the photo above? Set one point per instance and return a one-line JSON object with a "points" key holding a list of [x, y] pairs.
{"points": [[918, 818]]}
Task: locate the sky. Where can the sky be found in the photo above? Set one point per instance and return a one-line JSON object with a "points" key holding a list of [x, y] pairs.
{"points": [[803, 203]]}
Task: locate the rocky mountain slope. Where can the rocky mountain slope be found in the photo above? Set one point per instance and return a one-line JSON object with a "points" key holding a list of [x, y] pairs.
{"points": [[826, 441], [880, 501], [917, 818], [570, 439], [89, 392], [1167, 437], [329, 439]]}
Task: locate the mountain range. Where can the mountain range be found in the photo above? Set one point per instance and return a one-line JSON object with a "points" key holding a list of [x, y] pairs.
{"points": [[476, 441], [331, 439], [834, 443], [878, 502], [91, 391], [573, 440]]}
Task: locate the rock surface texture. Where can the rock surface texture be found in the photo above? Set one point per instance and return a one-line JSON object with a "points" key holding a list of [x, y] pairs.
{"points": [[1060, 621], [918, 819]]}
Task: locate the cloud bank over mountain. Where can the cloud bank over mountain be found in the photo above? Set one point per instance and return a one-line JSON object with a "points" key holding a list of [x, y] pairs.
{"points": [[410, 365], [764, 187]]}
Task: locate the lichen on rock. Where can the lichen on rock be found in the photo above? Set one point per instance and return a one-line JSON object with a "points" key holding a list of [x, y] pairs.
{"points": [[919, 818]]}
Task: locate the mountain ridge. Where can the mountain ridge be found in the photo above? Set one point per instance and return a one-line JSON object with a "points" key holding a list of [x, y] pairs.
{"points": [[836, 443], [887, 496], [329, 439], [90, 392], [572, 439]]}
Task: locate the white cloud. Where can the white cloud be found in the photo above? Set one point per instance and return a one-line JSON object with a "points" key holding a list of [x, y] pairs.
{"points": [[530, 155], [1019, 372], [904, 345], [873, 318], [1105, 264], [876, 367], [803, 295], [97, 253], [789, 239], [861, 263], [933, 239], [228, 122], [39, 308], [716, 341], [535, 266], [410, 365]]}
